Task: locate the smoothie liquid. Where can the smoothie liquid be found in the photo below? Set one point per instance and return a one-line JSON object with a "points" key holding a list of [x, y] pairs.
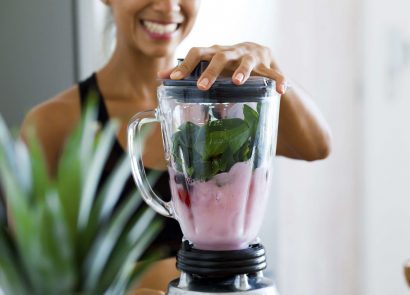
{"points": [[225, 212]]}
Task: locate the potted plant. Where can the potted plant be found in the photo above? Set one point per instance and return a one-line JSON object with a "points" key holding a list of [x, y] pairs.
{"points": [[67, 236]]}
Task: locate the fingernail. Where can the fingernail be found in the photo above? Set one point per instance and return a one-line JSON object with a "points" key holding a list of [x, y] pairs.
{"points": [[176, 75], [203, 83], [239, 77]]}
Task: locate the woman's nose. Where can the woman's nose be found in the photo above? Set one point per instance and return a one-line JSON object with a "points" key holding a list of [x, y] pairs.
{"points": [[167, 5]]}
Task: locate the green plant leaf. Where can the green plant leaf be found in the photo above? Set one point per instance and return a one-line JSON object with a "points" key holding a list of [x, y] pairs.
{"points": [[23, 167], [202, 152], [94, 172], [87, 130], [238, 136], [24, 229], [139, 268], [188, 134], [103, 208], [130, 248], [251, 117], [47, 253], [55, 241], [41, 182], [70, 181], [105, 242], [13, 279], [210, 143], [214, 143], [133, 238]]}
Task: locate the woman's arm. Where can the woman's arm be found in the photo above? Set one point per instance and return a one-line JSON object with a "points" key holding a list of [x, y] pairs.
{"points": [[303, 132]]}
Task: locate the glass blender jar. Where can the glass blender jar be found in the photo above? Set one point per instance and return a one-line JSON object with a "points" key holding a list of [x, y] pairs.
{"points": [[219, 145]]}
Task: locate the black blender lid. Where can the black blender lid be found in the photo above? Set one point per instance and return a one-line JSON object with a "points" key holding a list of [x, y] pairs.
{"points": [[223, 90]]}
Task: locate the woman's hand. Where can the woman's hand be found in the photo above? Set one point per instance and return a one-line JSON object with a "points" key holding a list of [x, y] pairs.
{"points": [[241, 61]]}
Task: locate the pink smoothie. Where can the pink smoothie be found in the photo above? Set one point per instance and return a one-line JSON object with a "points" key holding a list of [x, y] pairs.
{"points": [[224, 213]]}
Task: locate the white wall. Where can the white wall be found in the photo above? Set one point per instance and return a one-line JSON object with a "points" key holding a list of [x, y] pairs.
{"points": [[344, 223], [318, 202], [92, 47], [385, 208], [225, 22]]}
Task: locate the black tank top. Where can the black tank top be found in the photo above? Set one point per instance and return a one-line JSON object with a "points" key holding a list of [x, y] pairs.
{"points": [[169, 239]]}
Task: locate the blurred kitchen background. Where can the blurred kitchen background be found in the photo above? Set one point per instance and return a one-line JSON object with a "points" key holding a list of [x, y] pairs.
{"points": [[339, 226]]}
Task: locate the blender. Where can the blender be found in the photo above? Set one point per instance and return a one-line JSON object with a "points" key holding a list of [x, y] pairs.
{"points": [[219, 146]]}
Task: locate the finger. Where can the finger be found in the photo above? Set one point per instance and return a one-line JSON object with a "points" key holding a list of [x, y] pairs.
{"points": [[274, 65], [217, 64], [244, 70], [273, 74], [146, 291], [165, 74], [192, 59]]}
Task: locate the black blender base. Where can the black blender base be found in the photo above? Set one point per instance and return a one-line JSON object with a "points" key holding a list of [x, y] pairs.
{"points": [[228, 272], [216, 264]]}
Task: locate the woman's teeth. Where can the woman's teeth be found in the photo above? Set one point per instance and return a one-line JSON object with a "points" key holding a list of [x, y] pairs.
{"points": [[158, 28]]}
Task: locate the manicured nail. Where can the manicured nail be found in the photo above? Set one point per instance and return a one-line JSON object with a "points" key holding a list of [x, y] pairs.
{"points": [[239, 77], [203, 83], [176, 75]]}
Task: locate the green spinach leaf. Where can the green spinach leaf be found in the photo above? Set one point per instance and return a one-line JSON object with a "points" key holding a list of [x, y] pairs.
{"points": [[215, 147]]}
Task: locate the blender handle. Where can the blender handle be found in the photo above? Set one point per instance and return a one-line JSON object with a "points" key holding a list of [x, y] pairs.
{"points": [[135, 141]]}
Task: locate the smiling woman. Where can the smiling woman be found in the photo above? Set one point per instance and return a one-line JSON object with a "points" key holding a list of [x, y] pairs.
{"points": [[148, 33], [160, 31], [147, 25]]}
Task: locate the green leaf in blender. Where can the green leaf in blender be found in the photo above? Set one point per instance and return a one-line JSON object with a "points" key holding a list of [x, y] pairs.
{"points": [[251, 117], [215, 137], [204, 151], [210, 143]]}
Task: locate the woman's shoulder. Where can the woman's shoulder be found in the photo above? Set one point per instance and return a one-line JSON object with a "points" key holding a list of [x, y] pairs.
{"points": [[62, 111], [52, 121]]}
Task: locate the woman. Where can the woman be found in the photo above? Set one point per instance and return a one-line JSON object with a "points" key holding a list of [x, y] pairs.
{"points": [[148, 32]]}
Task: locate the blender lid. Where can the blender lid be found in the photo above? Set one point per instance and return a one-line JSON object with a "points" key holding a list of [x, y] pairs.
{"points": [[223, 90]]}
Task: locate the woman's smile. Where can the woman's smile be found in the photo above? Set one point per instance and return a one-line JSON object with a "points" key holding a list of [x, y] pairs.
{"points": [[160, 30]]}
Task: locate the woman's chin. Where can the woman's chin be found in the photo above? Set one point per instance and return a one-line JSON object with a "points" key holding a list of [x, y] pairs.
{"points": [[157, 45], [159, 51]]}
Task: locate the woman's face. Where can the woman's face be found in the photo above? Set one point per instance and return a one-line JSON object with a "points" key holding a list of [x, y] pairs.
{"points": [[153, 27]]}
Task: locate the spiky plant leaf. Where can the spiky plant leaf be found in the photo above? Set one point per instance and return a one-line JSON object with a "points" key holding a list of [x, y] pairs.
{"points": [[142, 266], [41, 182], [69, 234], [110, 193], [69, 183], [12, 276], [137, 243], [94, 171]]}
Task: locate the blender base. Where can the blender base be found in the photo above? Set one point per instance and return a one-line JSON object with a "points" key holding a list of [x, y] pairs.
{"points": [[228, 272], [240, 284]]}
